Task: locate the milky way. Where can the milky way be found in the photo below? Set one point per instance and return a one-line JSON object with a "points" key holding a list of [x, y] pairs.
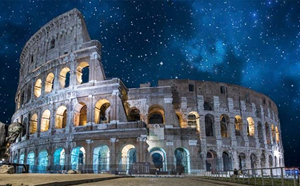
{"points": [[254, 44]]}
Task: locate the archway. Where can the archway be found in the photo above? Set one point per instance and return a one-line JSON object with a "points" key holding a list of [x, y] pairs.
{"points": [[134, 114], [101, 159], [194, 120], [260, 133], [227, 165], [64, 77], [30, 161], [238, 125], [33, 124], [273, 133], [263, 160], [268, 136], [128, 157], [59, 159], [49, 83], [253, 161], [209, 121], [242, 161], [251, 127], [102, 110], [158, 156], [224, 123], [45, 121], [80, 114], [277, 135], [156, 115], [211, 161], [182, 160], [42, 161], [78, 158], [21, 161], [38, 88], [82, 73], [61, 117]]}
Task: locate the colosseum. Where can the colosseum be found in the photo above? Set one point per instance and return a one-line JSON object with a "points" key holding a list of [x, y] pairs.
{"points": [[76, 118]]}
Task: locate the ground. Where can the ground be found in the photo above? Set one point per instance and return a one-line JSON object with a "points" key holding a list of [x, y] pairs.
{"points": [[36, 179]]}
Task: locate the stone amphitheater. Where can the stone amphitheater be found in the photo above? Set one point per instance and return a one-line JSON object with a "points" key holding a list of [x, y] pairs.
{"points": [[76, 118]]}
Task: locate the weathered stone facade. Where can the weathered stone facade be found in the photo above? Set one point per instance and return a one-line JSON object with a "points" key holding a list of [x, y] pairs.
{"points": [[97, 124]]}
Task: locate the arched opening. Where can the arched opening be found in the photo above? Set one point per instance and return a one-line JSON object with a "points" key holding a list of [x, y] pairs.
{"points": [[45, 123], [253, 161], [260, 133], [194, 120], [59, 159], [242, 161], [102, 111], [277, 135], [78, 158], [25, 124], [101, 159], [21, 161], [80, 114], [158, 156], [251, 127], [30, 161], [134, 115], [61, 117], [38, 88], [52, 43], [33, 124], [179, 118], [28, 93], [224, 124], [128, 157], [182, 160], [227, 165], [211, 161], [82, 73], [208, 104], [156, 115], [42, 161], [263, 160], [268, 136], [238, 125], [209, 121], [64, 77], [49, 83], [273, 133]]}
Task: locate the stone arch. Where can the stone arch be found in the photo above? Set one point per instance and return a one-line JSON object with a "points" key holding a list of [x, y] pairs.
{"points": [[277, 135], [49, 82], [30, 161], [128, 157], [194, 120], [253, 161], [260, 133], [134, 114], [45, 123], [211, 161], [238, 125], [78, 158], [156, 115], [250, 127], [101, 159], [42, 161], [61, 117], [33, 123], [80, 114], [38, 88], [82, 73], [64, 77], [268, 136], [242, 161], [273, 133], [159, 158], [224, 124], [102, 111], [182, 160], [209, 121], [263, 160], [180, 119], [59, 157], [227, 163]]}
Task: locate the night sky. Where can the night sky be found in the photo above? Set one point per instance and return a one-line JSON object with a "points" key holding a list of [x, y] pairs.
{"points": [[254, 44]]}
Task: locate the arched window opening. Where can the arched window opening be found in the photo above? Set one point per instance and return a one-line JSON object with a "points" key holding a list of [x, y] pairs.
{"points": [[238, 125], [208, 106], [273, 132], [30, 161], [42, 162], [59, 159], [28, 93], [49, 83], [268, 136], [194, 120], [64, 77], [25, 124], [224, 123], [80, 114], [101, 159], [179, 118], [156, 115], [209, 121], [52, 43], [242, 161], [61, 117], [102, 111], [78, 158], [211, 161], [128, 157], [158, 156], [82, 73], [182, 157], [227, 165], [260, 133], [253, 161], [33, 124], [277, 135], [263, 160], [45, 123], [21, 161], [134, 115], [251, 127], [38, 88]]}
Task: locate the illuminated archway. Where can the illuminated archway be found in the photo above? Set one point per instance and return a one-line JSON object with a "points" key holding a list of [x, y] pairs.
{"points": [[102, 110], [80, 114], [250, 127], [156, 115], [159, 156], [78, 158], [182, 159], [194, 120], [209, 121], [61, 117], [134, 114], [42, 161], [128, 156], [82, 73], [49, 82], [38, 88], [101, 159], [59, 159], [224, 124], [238, 125], [64, 77], [30, 161], [277, 135], [45, 121], [33, 124]]}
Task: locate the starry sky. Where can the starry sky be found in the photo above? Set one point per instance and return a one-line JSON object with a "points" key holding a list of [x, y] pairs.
{"points": [[254, 44]]}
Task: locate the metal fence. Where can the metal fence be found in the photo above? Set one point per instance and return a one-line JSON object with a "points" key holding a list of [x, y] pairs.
{"points": [[260, 176]]}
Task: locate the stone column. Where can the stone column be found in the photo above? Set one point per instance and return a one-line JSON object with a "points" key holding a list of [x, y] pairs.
{"points": [[96, 69], [113, 160], [89, 157], [52, 118], [73, 78], [70, 115], [39, 120], [67, 158], [36, 159], [90, 110], [56, 85], [170, 116]]}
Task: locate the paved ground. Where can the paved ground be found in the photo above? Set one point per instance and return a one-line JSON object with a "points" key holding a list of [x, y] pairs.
{"points": [[33, 179]]}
